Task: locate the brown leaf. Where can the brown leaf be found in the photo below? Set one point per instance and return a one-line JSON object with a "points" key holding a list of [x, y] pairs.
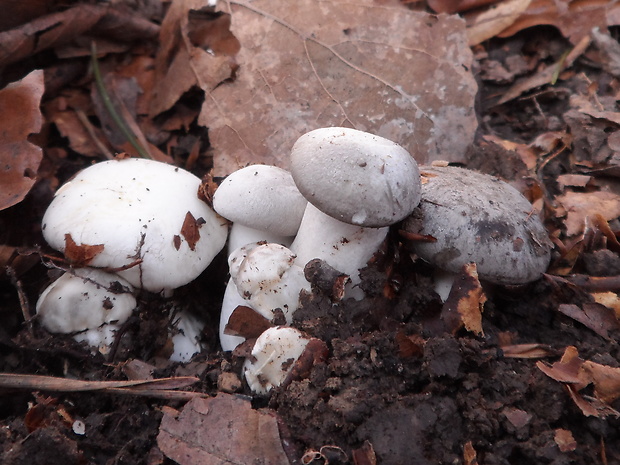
{"points": [[565, 440], [365, 455], [60, 28], [526, 350], [574, 18], [579, 205], [303, 67], [470, 456], [221, 430], [80, 255], [191, 230], [20, 116], [464, 305], [492, 21], [184, 59], [606, 380], [567, 369], [246, 322], [597, 317]]}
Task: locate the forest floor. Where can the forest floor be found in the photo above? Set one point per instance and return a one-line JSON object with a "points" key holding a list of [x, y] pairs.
{"points": [[538, 383]]}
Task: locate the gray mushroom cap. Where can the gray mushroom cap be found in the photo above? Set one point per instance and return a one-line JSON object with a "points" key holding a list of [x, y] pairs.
{"points": [[479, 218], [356, 177]]}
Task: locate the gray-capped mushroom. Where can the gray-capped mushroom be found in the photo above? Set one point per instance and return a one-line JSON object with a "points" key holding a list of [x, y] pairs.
{"points": [[357, 184], [479, 218]]}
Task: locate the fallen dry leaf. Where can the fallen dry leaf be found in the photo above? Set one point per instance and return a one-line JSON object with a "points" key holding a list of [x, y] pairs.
{"points": [[574, 18], [219, 431], [465, 303], [495, 19], [576, 373], [470, 456], [606, 380], [565, 440], [80, 254], [191, 230], [182, 62], [579, 205], [597, 317], [246, 322], [58, 29], [305, 65], [526, 350], [20, 116]]}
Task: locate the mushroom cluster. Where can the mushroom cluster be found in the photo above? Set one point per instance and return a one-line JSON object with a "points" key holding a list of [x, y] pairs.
{"points": [[140, 220], [138, 224]]}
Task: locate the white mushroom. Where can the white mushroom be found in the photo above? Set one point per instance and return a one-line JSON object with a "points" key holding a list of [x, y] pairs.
{"points": [[478, 218], [273, 357], [140, 212], [186, 338], [265, 278], [88, 302], [263, 204], [357, 185]]}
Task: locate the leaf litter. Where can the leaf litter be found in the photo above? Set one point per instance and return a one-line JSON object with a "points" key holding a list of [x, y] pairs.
{"points": [[220, 89]]}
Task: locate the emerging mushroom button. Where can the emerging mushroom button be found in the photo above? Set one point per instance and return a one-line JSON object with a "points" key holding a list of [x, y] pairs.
{"points": [[137, 212], [478, 218]]}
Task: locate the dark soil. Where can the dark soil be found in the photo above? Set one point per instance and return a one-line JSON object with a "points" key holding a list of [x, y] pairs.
{"points": [[394, 381]]}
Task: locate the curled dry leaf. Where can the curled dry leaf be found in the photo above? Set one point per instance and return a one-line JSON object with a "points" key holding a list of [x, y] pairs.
{"points": [[221, 430], [465, 304], [489, 23], [574, 18], [20, 116], [565, 440], [580, 205], [82, 254], [302, 67], [577, 373], [597, 317]]}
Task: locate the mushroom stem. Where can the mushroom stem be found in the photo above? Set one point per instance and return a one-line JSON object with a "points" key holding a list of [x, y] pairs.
{"points": [[241, 235], [343, 246]]}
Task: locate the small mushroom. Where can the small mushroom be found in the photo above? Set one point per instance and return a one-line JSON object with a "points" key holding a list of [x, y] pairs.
{"points": [[478, 218], [262, 202], [140, 217], [273, 356], [89, 303], [186, 337], [357, 185], [265, 278]]}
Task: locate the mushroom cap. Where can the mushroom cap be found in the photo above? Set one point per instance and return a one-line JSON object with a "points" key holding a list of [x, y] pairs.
{"points": [[356, 177], [267, 277], [261, 197], [137, 208], [273, 357], [85, 299], [479, 218]]}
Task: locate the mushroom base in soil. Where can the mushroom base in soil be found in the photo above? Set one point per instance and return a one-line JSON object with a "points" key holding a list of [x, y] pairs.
{"points": [[266, 278]]}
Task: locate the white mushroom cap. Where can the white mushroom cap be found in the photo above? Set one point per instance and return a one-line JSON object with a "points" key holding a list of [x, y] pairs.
{"points": [[241, 235], [479, 218], [261, 197], [356, 177], [273, 356], [89, 301], [138, 208], [267, 278]]}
